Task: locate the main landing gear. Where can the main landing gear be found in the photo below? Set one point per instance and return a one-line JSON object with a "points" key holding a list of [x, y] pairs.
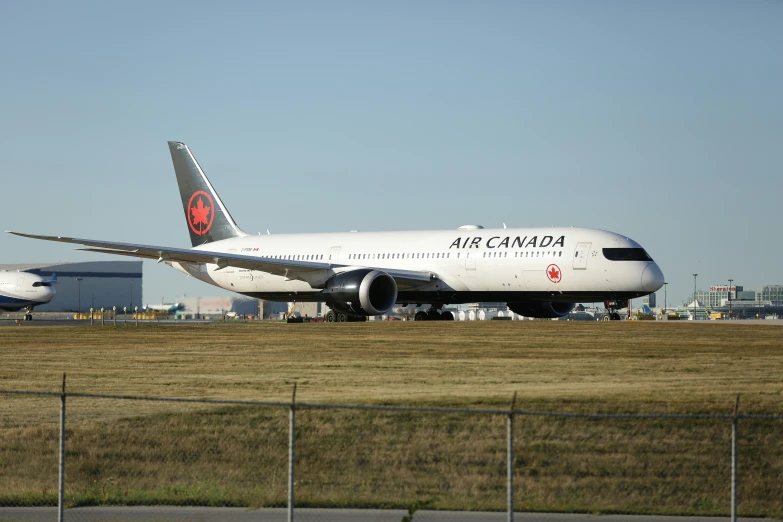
{"points": [[611, 312], [433, 314], [339, 317]]}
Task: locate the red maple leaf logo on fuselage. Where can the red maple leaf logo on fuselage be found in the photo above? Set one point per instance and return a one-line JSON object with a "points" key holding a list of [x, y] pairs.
{"points": [[553, 273]]}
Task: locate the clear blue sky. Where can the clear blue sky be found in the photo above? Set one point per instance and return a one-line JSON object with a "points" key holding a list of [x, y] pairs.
{"points": [[659, 120]]}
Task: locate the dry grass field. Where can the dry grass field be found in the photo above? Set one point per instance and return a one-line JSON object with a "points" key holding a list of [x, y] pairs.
{"points": [[124, 452]]}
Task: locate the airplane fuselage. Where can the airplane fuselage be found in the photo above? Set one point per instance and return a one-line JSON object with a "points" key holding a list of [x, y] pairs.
{"points": [[20, 290], [556, 264]]}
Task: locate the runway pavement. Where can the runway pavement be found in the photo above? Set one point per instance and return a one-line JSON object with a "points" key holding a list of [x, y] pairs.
{"points": [[204, 514]]}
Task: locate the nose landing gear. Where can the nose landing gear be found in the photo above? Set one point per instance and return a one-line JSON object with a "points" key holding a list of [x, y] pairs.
{"points": [[611, 312]]}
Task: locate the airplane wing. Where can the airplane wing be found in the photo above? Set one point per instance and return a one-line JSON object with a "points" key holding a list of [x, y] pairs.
{"points": [[302, 270]]}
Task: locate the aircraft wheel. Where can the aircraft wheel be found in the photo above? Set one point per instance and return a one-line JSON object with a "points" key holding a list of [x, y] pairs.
{"points": [[606, 318], [330, 317], [447, 316], [615, 316], [434, 315], [420, 316], [342, 318]]}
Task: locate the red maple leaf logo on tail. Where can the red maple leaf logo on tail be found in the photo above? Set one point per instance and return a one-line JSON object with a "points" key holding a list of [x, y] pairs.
{"points": [[553, 273], [201, 215]]}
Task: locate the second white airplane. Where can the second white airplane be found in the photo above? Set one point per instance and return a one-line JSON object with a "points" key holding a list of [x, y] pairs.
{"points": [[539, 272]]}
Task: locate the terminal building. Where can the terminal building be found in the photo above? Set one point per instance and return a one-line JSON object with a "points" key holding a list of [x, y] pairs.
{"points": [[92, 284], [765, 302]]}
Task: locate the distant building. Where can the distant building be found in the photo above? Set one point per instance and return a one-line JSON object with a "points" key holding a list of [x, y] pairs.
{"points": [[650, 300], [277, 309], [217, 306], [770, 293], [93, 284]]}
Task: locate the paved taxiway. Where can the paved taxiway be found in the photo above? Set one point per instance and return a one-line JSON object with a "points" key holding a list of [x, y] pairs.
{"points": [[183, 514]]}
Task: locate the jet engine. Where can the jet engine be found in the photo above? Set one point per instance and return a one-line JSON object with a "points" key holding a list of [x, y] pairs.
{"points": [[541, 309], [361, 292]]}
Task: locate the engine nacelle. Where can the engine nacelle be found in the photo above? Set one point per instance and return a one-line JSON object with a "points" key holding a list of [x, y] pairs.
{"points": [[541, 309], [361, 292]]}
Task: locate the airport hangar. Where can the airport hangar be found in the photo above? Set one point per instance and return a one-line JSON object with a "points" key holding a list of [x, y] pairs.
{"points": [[93, 284]]}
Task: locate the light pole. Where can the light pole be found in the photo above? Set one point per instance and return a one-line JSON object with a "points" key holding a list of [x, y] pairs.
{"points": [[79, 287], [131, 292], [694, 296], [664, 296], [730, 281]]}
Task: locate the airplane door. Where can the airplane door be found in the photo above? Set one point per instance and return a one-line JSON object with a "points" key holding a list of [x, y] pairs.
{"points": [[580, 256], [470, 262], [334, 253]]}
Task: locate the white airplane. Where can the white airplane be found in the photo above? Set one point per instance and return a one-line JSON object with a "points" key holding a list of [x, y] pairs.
{"points": [[539, 272], [163, 307], [23, 291]]}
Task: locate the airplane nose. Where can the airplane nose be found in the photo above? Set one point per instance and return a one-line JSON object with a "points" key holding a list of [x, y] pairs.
{"points": [[652, 278]]}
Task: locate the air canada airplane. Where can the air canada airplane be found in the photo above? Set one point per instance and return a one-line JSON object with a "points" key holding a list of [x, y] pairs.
{"points": [[539, 272], [23, 291]]}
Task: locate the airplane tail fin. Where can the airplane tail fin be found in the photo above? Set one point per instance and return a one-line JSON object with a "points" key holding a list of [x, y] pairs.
{"points": [[207, 217]]}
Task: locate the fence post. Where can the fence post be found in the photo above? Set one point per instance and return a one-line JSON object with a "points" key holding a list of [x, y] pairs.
{"points": [[734, 461], [61, 489], [291, 437], [510, 460]]}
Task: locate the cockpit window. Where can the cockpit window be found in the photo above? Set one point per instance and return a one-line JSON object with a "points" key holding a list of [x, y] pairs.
{"points": [[626, 254], [42, 283]]}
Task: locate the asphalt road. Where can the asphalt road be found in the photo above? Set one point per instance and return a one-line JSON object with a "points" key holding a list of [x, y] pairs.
{"points": [[199, 514]]}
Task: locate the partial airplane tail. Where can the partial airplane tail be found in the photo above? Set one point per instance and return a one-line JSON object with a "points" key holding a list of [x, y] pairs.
{"points": [[207, 217]]}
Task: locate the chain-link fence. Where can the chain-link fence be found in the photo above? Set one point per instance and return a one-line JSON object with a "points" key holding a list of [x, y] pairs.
{"points": [[302, 457]]}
